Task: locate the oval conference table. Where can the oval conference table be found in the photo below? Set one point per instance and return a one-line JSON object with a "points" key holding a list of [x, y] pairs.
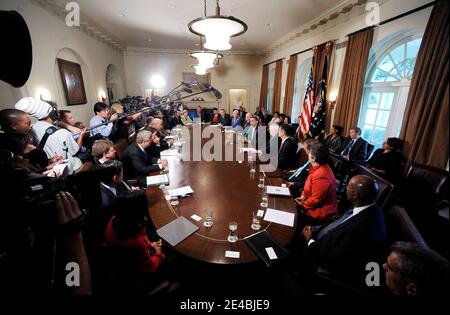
{"points": [[231, 191]]}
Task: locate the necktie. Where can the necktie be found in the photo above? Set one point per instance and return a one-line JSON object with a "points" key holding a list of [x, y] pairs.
{"points": [[334, 224], [281, 146], [349, 147]]}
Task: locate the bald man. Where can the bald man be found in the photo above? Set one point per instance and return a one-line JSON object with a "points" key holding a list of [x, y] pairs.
{"points": [[15, 121], [345, 246]]}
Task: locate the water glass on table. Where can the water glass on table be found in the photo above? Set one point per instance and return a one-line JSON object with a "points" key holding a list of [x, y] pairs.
{"points": [[256, 222], [232, 237], [208, 222], [264, 200]]}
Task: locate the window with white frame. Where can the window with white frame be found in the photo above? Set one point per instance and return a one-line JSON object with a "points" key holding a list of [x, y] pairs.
{"points": [[270, 87], [386, 89], [300, 83]]}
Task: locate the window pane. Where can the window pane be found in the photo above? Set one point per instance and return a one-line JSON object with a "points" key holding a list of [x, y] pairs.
{"points": [[370, 116], [413, 48], [367, 133], [386, 101], [383, 117], [374, 99], [378, 76], [386, 64], [398, 54], [378, 136], [394, 75]]}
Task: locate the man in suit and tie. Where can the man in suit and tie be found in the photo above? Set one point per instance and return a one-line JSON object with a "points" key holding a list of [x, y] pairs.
{"points": [[345, 246], [254, 137], [138, 162], [287, 153], [111, 184], [355, 147], [224, 118], [265, 117], [175, 120]]}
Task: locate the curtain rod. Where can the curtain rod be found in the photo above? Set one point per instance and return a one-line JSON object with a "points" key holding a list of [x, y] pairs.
{"points": [[303, 51], [269, 63], [398, 17]]}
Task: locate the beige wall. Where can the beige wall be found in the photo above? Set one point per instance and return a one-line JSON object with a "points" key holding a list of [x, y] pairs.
{"points": [[234, 71], [51, 39], [339, 28]]}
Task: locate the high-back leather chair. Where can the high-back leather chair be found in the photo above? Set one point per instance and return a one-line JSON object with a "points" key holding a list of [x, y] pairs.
{"points": [[386, 187]]}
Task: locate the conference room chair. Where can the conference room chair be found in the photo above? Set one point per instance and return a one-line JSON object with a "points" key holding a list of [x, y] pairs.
{"points": [[120, 146], [370, 148], [432, 181], [302, 157], [399, 227], [386, 188]]}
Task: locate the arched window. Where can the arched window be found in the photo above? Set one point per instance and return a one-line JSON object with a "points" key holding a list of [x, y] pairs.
{"points": [[301, 80], [386, 89]]}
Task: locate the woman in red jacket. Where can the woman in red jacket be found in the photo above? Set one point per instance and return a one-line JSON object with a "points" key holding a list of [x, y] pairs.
{"points": [[135, 258], [318, 199]]}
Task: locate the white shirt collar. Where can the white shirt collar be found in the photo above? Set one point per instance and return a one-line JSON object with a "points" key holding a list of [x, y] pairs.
{"points": [[143, 150], [111, 189], [357, 210]]}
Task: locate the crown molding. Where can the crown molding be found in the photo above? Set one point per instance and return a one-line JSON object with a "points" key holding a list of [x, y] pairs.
{"points": [[87, 25], [143, 51], [342, 8]]}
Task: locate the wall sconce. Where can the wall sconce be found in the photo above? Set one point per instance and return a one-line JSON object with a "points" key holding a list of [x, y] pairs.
{"points": [[44, 95], [332, 100]]}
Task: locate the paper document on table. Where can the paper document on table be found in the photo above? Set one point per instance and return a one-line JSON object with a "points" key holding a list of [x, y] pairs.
{"points": [[157, 180], [186, 190], [58, 170], [279, 191], [280, 217], [171, 152]]}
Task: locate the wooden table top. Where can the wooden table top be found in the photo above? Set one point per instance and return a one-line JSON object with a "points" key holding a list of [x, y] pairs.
{"points": [[231, 191]]}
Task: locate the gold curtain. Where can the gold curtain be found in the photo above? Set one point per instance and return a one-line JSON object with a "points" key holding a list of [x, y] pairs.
{"points": [[290, 81], [264, 83], [352, 81], [425, 124], [276, 101]]}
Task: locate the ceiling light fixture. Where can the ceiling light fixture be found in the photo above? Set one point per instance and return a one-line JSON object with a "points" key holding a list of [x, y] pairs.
{"points": [[206, 59], [218, 29]]}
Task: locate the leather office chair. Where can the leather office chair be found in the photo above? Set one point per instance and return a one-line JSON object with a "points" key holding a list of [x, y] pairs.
{"points": [[120, 146], [370, 148], [386, 187]]}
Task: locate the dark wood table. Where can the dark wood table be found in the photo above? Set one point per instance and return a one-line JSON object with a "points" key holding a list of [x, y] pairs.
{"points": [[231, 191]]}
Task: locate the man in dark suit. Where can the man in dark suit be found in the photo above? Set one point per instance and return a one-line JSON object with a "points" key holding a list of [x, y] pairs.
{"points": [[175, 120], [224, 118], [287, 153], [138, 162], [355, 147], [200, 114], [345, 246], [265, 117], [254, 137]]}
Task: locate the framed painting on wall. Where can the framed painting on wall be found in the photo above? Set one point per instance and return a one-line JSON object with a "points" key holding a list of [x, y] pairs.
{"points": [[192, 77], [72, 80]]}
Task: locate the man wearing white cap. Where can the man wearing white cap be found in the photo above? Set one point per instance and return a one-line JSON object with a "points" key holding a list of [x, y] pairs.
{"points": [[53, 140]]}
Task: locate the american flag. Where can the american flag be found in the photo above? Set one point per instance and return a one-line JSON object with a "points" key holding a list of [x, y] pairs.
{"points": [[308, 101]]}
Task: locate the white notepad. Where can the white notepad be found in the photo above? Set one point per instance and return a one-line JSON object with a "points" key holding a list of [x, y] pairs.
{"points": [[182, 191], [280, 217], [279, 191], [232, 254], [171, 152], [157, 180]]}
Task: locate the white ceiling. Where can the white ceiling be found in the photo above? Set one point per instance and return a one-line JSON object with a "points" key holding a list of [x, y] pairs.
{"points": [[133, 22]]}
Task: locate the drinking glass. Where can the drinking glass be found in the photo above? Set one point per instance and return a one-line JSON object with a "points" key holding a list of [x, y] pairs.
{"points": [[252, 163], [256, 223], [261, 181], [232, 237], [264, 200], [208, 222], [174, 201]]}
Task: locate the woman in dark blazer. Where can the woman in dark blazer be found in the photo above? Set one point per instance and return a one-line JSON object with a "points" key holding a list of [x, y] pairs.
{"points": [[387, 161], [335, 140]]}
